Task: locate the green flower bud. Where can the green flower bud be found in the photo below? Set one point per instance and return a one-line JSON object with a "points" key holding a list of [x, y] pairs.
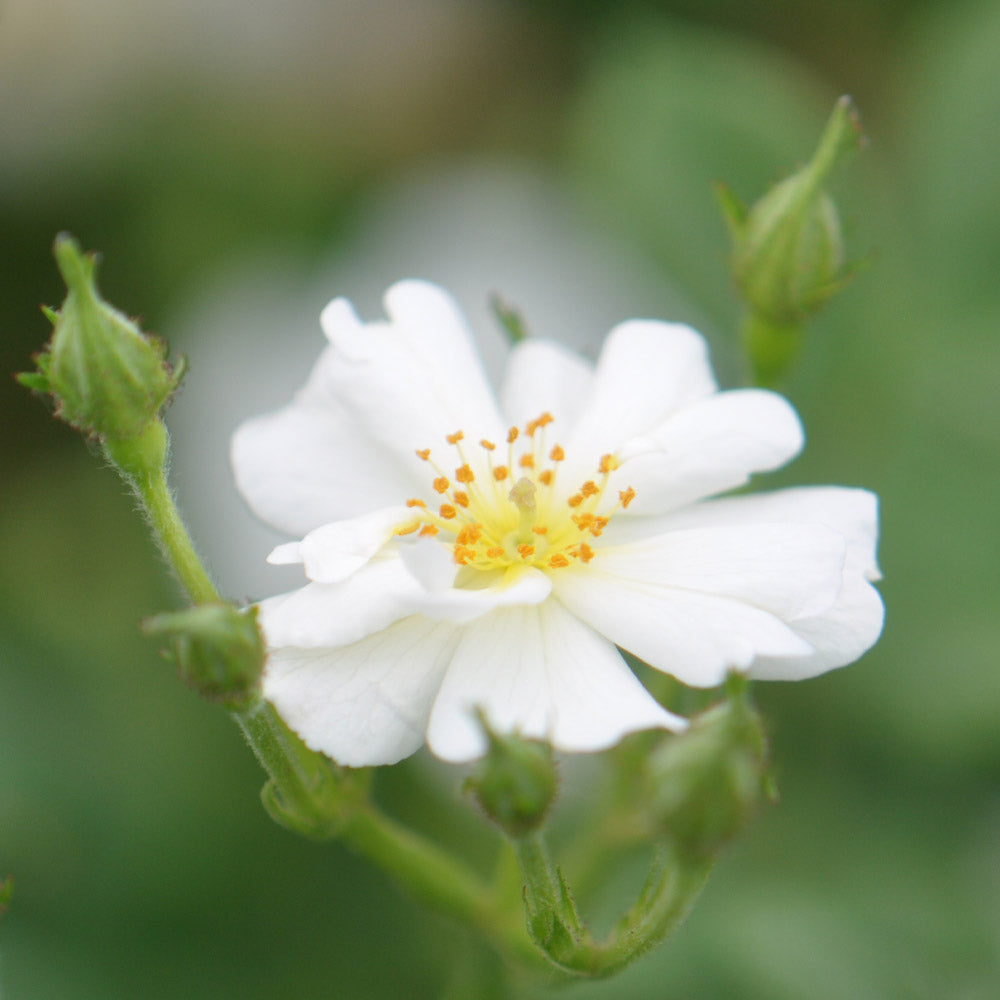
{"points": [[515, 783], [218, 648], [706, 784], [787, 250], [108, 378]]}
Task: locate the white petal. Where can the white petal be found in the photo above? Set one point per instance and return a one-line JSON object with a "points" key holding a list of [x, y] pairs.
{"points": [[540, 672], [334, 551], [541, 377], [790, 570], [311, 463], [414, 378], [695, 637], [336, 614], [521, 586], [708, 447], [840, 635], [852, 512], [288, 554], [364, 704], [646, 371]]}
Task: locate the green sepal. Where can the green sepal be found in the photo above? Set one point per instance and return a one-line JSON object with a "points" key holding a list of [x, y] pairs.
{"points": [[515, 783], [107, 378], [704, 785], [510, 319], [218, 649]]}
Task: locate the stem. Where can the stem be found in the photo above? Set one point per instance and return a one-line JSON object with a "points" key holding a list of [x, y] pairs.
{"points": [[437, 879]]}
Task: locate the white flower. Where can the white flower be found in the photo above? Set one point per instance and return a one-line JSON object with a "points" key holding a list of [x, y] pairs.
{"points": [[466, 551]]}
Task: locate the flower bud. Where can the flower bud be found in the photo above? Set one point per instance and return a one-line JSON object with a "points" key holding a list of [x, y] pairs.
{"points": [[515, 783], [787, 251], [706, 784], [218, 648], [107, 377]]}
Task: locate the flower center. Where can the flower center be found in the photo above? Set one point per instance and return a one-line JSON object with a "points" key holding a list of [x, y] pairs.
{"points": [[515, 513]]}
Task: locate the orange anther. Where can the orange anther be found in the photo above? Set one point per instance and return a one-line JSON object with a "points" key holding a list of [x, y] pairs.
{"points": [[527, 461], [428, 530], [488, 445], [557, 454], [448, 512], [415, 503], [608, 464], [464, 555], [441, 484], [545, 477], [589, 488], [540, 529], [585, 552], [464, 474], [626, 496], [407, 529], [575, 500], [461, 498], [526, 550], [496, 552], [500, 473], [454, 438], [558, 560], [424, 453], [512, 435]]}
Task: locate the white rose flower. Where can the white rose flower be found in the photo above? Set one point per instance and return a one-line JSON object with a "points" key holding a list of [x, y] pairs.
{"points": [[466, 551]]}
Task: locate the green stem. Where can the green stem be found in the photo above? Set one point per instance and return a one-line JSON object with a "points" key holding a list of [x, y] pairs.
{"points": [[673, 885], [142, 461], [439, 880]]}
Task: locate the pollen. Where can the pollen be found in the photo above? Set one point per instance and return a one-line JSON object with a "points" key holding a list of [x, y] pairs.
{"points": [[504, 517]]}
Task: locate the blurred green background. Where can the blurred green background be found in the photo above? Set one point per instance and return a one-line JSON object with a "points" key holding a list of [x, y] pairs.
{"points": [[238, 163]]}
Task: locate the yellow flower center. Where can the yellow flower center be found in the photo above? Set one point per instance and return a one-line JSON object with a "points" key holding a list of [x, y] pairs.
{"points": [[519, 516]]}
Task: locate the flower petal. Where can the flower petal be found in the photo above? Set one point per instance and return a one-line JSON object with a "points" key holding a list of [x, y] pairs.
{"points": [[543, 673], [852, 512], [336, 614], [334, 551], [543, 376], [311, 463], [840, 635], [414, 378], [693, 636], [646, 371], [789, 570], [522, 586], [364, 704], [708, 447]]}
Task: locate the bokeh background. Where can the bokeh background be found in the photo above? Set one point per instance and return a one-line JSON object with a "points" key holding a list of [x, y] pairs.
{"points": [[240, 163]]}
